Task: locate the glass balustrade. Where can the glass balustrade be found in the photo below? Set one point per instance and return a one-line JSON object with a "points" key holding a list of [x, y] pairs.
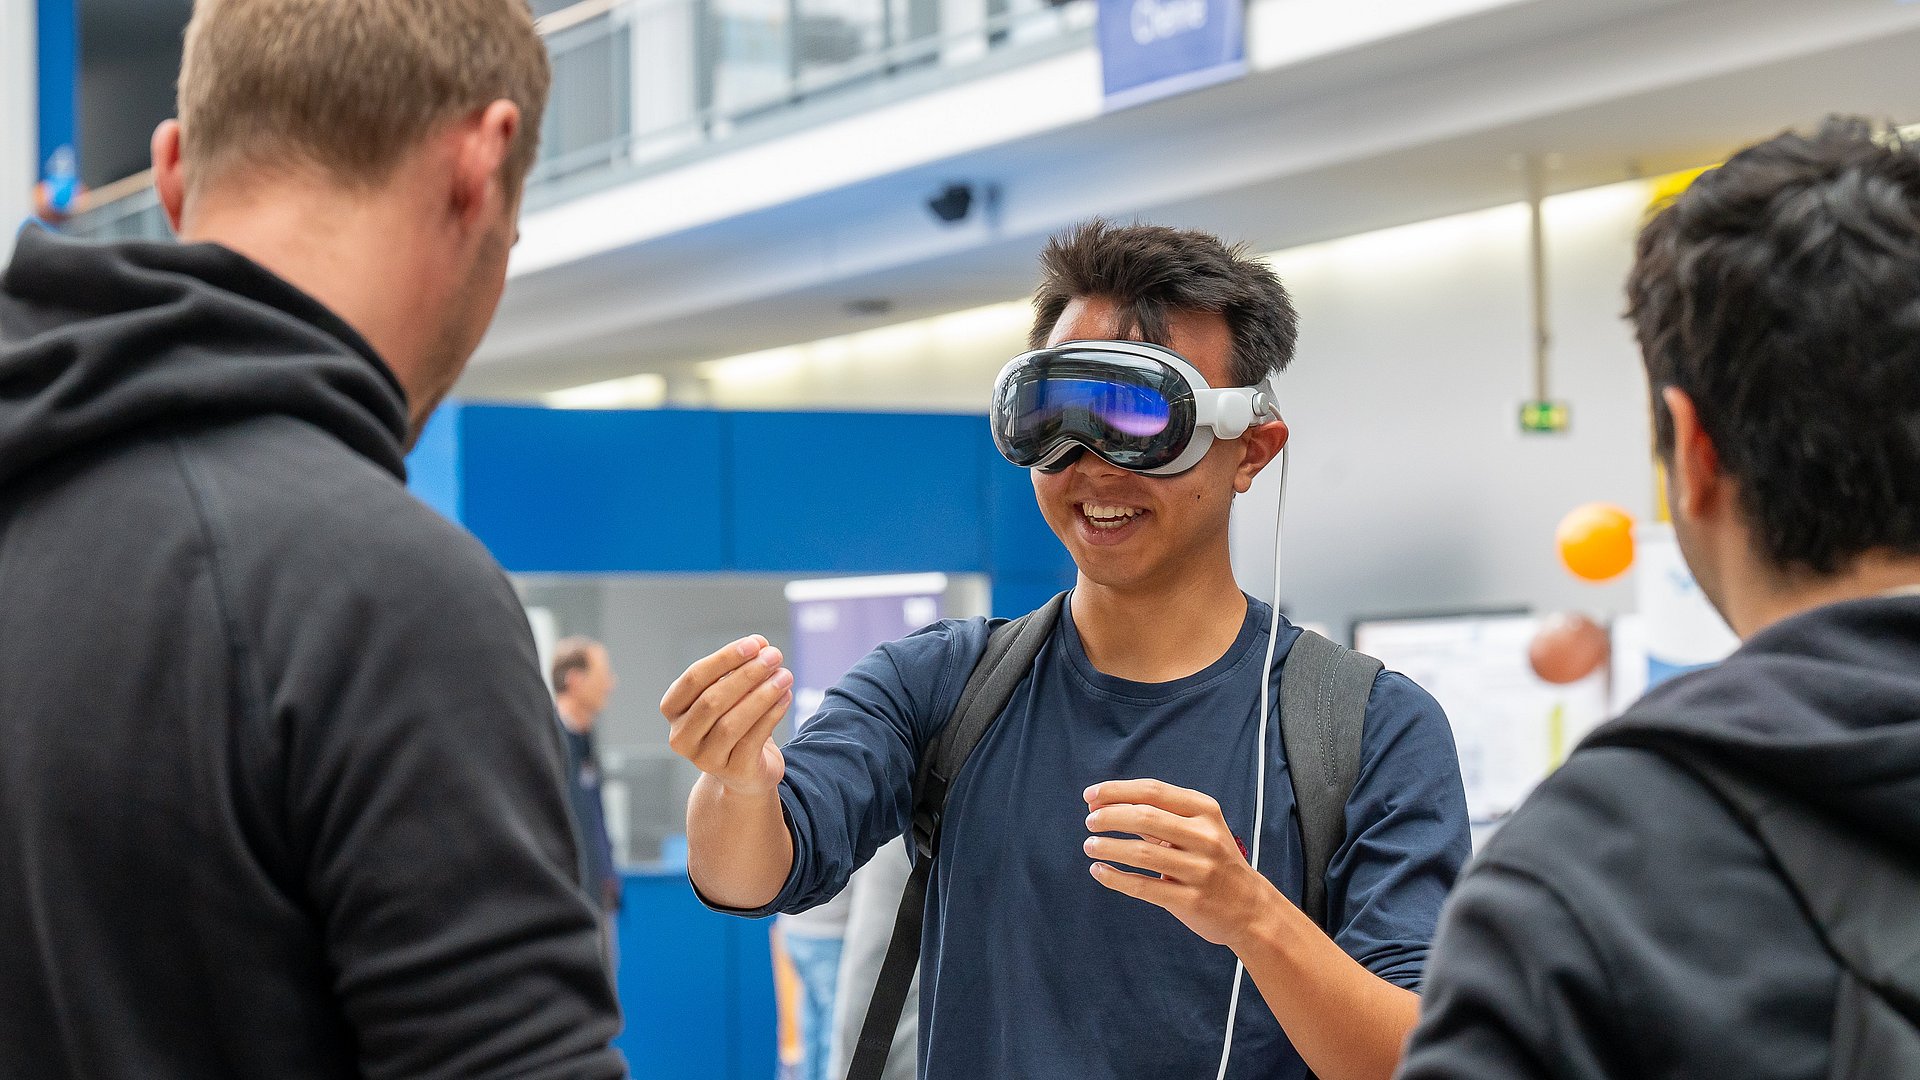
{"points": [[642, 85]]}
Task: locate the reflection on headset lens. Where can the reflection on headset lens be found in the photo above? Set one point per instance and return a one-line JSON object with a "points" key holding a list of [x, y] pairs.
{"points": [[1129, 410]]}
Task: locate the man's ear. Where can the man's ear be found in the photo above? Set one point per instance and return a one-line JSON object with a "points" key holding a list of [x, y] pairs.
{"points": [[1259, 446], [169, 180], [482, 144], [1699, 487]]}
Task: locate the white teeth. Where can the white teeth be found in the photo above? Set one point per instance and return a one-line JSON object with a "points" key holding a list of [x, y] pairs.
{"points": [[1109, 517]]}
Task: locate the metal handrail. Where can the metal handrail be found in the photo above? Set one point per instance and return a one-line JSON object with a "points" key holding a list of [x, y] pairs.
{"points": [[857, 71]]}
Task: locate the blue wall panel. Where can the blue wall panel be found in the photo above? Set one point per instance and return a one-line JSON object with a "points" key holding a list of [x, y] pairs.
{"points": [[434, 466], [861, 493], [753, 1032], [616, 492], [696, 987], [562, 491], [58, 41]]}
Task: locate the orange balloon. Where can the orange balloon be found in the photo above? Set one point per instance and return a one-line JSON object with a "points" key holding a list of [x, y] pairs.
{"points": [[1568, 648], [1596, 541]]}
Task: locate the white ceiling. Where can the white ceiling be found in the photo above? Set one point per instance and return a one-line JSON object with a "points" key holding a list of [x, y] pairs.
{"points": [[1416, 127]]}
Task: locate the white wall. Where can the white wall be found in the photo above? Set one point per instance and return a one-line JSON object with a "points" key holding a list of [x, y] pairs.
{"points": [[19, 110], [943, 364], [1413, 489]]}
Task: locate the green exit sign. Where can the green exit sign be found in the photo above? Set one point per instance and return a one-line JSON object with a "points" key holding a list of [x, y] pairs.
{"points": [[1544, 417]]}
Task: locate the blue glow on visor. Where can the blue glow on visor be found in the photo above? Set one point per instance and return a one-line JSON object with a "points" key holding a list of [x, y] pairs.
{"points": [[1128, 409]]}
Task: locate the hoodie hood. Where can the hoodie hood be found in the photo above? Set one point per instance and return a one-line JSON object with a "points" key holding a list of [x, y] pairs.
{"points": [[99, 342], [1823, 707]]}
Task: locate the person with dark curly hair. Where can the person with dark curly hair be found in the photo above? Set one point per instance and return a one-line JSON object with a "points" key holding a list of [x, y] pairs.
{"points": [[1724, 881]]}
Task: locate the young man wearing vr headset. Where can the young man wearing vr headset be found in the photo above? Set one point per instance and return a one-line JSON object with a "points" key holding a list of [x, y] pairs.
{"points": [[1137, 738]]}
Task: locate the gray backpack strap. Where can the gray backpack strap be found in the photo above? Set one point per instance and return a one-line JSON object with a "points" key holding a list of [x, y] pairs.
{"points": [[1323, 706], [1011, 649], [1009, 656]]}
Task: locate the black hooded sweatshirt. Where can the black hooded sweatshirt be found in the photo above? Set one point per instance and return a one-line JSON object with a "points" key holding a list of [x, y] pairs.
{"points": [[1625, 924], [280, 786]]}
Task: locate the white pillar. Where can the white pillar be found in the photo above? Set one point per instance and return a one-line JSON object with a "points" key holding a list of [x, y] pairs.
{"points": [[662, 77], [19, 118], [963, 31]]}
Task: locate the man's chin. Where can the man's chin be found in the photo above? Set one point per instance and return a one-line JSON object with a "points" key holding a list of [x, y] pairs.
{"points": [[1107, 568]]}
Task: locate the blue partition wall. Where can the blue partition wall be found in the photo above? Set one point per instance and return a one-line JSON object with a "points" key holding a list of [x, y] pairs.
{"points": [[696, 988], [691, 491], [57, 48]]}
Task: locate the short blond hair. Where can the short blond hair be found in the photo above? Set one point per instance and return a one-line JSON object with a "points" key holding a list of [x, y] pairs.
{"points": [[351, 86]]}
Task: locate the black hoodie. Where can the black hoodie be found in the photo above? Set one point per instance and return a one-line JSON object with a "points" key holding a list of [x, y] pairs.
{"points": [[280, 786], [1625, 924]]}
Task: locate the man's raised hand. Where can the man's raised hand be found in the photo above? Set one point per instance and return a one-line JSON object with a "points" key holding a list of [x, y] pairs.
{"points": [[722, 711]]}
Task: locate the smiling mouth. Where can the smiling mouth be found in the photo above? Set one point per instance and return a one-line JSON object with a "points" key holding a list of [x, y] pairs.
{"points": [[1110, 517]]}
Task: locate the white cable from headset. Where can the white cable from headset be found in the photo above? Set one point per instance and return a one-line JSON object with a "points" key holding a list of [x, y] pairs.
{"points": [[1260, 766]]}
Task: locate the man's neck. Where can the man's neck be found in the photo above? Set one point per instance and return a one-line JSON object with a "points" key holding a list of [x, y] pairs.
{"points": [[1868, 576], [1160, 632], [575, 718], [350, 252]]}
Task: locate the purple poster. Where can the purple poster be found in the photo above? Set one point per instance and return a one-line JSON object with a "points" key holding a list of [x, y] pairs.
{"points": [[837, 621], [1152, 48]]}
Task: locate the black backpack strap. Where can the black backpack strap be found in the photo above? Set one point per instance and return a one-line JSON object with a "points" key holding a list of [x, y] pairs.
{"points": [[1323, 706], [1011, 649]]}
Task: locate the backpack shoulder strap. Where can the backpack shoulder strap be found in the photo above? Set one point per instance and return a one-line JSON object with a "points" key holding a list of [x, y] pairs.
{"points": [[1323, 706], [1009, 655], [1011, 649]]}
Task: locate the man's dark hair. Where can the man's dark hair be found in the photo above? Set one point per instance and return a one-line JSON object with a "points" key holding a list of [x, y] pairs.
{"points": [[571, 656], [1149, 270], [1781, 293]]}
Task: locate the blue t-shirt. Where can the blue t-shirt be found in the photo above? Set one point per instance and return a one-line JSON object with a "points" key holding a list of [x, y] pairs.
{"points": [[1031, 968]]}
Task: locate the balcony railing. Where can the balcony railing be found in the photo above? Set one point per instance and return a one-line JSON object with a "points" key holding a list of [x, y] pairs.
{"points": [[642, 85]]}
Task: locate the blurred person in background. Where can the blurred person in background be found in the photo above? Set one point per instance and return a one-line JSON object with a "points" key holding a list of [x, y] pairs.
{"points": [[1726, 880], [814, 942], [583, 679], [281, 788], [872, 899]]}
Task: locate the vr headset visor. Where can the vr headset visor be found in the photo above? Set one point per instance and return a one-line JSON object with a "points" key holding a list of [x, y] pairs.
{"points": [[1140, 407]]}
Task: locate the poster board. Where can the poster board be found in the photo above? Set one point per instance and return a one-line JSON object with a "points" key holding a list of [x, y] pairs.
{"points": [[1511, 727]]}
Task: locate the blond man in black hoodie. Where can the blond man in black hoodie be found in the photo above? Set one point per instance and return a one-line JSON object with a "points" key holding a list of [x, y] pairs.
{"points": [[279, 781]]}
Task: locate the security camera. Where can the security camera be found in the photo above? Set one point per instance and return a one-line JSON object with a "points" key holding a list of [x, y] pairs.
{"points": [[953, 204]]}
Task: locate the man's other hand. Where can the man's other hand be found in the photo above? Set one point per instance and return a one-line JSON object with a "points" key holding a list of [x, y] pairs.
{"points": [[1204, 878]]}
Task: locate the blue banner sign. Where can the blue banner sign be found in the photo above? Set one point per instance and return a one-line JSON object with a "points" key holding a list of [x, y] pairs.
{"points": [[1153, 48]]}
